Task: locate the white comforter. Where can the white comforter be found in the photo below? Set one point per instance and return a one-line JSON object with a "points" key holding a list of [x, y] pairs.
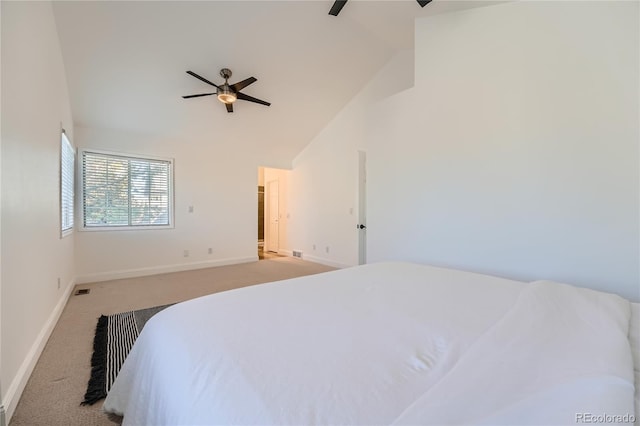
{"points": [[388, 343]]}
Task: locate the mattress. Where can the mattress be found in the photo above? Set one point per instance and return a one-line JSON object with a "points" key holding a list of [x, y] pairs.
{"points": [[387, 343]]}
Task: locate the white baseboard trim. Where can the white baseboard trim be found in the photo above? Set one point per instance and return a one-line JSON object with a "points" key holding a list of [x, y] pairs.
{"points": [[324, 261], [154, 270], [286, 252], [14, 392]]}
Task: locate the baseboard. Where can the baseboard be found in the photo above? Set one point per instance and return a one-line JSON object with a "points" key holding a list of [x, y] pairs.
{"points": [[286, 252], [14, 392], [324, 261], [154, 270]]}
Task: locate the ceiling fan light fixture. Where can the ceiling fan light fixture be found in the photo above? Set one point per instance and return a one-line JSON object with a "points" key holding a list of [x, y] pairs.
{"points": [[226, 95]]}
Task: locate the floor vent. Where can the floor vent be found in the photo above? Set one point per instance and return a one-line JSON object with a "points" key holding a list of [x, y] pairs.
{"points": [[82, 291], [297, 253]]}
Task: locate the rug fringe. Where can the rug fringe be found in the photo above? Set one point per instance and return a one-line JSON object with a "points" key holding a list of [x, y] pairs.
{"points": [[97, 388]]}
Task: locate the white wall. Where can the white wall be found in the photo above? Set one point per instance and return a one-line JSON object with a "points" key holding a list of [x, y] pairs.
{"points": [[324, 180], [516, 153], [216, 177], [2, 407], [34, 106]]}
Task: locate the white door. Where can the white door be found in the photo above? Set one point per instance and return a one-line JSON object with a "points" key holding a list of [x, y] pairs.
{"points": [[273, 216], [362, 208]]}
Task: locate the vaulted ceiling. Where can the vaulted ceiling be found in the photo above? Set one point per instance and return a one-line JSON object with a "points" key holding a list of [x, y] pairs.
{"points": [[126, 61]]}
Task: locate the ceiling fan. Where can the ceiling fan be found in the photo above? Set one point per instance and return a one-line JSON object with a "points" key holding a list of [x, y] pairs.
{"points": [[339, 4], [228, 93]]}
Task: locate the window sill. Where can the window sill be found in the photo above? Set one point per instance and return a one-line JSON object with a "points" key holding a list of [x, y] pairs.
{"points": [[125, 228]]}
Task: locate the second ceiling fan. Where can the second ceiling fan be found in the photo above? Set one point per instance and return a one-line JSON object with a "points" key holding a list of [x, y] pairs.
{"points": [[339, 4]]}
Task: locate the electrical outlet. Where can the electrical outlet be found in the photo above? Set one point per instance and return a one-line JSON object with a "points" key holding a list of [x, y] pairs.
{"points": [[58, 283], [210, 251], [190, 209], [327, 249], [186, 253], [314, 247]]}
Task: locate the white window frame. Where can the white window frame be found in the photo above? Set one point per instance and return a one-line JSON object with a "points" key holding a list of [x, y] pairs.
{"points": [[65, 144], [171, 224]]}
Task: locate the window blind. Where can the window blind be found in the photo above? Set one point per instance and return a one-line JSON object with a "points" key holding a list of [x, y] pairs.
{"points": [[125, 191], [67, 174]]}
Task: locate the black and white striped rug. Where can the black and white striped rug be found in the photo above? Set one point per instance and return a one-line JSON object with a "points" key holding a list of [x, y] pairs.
{"points": [[115, 335]]}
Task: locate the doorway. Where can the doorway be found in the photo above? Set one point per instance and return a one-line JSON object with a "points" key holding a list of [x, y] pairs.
{"points": [[272, 213], [260, 220], [362, 207]]}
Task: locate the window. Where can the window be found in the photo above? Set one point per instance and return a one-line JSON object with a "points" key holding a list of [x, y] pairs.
{"points": [[67, 174], [120, 191]]}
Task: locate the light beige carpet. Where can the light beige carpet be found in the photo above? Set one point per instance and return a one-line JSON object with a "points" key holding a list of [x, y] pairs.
{"points": [[58, 383]]}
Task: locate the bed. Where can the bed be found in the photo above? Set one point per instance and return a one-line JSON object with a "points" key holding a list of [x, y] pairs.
{"points": [[385, 343]]}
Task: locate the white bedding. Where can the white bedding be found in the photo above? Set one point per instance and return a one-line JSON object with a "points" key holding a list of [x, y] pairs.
{"points": [[387, 343]]}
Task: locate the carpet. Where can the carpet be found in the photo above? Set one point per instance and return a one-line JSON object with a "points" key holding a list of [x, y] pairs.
{"points": [[115, 335]]}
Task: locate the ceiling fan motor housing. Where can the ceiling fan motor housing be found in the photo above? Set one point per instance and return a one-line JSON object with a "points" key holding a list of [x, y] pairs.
{"points": [[226, 94]]}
